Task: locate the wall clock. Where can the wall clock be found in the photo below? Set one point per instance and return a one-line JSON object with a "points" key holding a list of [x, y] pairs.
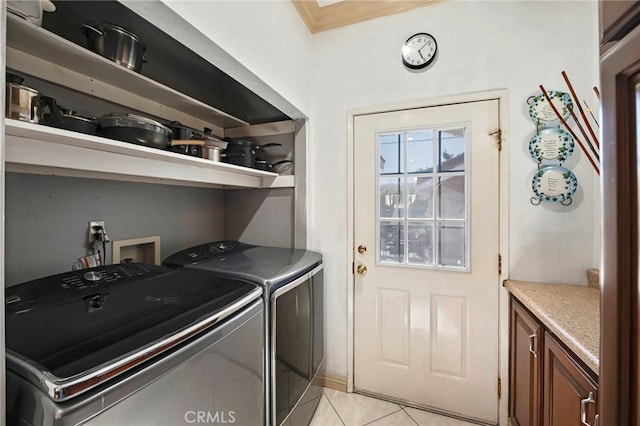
{"points": [[419, 51]]}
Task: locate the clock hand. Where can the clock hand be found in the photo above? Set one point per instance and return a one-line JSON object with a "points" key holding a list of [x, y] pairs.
{"points": [[420, 53]]}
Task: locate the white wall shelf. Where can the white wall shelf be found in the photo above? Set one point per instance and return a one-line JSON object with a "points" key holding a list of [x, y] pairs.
{"points": [[39, 149], [36, 51], [33, 148]]}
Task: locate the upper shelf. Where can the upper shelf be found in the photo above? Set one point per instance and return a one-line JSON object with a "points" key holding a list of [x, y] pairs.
{"points": [[41, 149], [33, 48]]}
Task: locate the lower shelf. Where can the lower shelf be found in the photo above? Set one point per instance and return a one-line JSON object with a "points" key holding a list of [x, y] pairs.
{"points": [[32, 148]]}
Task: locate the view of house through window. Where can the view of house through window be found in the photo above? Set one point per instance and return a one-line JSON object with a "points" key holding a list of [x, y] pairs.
{"points": [[422, 198]]}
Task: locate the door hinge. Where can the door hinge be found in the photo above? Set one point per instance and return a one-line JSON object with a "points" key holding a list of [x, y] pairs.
{"points": [[498, 134], [499, 388], [353, 268], [499, 264]]}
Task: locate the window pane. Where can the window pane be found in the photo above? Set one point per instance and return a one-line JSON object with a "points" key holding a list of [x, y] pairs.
{"points": [[420, 197], [391, 154], [451, 149], [391, 198], [420, 239], [452, 245], [452, 197], [420, 152], [392, 242]]}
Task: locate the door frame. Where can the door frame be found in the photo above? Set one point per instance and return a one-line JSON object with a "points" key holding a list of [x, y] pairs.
{"points": [[503, 224]]}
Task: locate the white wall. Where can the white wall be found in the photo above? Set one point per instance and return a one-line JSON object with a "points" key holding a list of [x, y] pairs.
{"points": [[483, 46]]}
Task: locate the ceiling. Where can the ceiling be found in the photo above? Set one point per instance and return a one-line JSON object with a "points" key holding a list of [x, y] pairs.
{"points": [[323, 15]]}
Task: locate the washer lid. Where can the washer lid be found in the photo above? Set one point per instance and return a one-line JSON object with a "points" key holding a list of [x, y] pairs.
{"points": [[70, 332]]}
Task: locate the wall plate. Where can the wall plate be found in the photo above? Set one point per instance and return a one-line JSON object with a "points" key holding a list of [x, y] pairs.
{"points": [[144, 249]]}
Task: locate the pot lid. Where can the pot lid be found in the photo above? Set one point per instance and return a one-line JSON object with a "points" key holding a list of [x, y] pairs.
{"points": [[238, 142], [132, 120], [21, 87]]}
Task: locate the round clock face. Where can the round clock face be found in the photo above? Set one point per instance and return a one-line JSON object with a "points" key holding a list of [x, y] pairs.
{"points": [[419, 51]]}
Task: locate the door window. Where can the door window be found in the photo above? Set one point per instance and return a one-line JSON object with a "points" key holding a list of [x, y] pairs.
{"points": [[422, 198]]}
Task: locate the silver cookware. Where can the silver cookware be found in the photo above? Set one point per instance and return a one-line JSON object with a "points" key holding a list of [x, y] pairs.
{"points": [[115, 43], [21, 102], [212, 153]]}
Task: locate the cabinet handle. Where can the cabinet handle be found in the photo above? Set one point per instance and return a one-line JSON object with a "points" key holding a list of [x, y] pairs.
{"points": [[532, 344], [583, 408]]}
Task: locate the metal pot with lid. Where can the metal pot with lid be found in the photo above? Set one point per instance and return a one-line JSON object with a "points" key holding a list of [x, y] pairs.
{"points": [[115, 43], [21, 102], [243, 153], [135, 129]]}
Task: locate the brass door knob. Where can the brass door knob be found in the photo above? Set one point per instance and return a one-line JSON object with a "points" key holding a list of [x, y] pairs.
{"points": [[361, 269], [362, 249]]}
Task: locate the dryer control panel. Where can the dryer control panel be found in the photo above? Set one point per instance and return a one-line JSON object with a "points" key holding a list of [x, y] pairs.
{"points": [[193, 255]]}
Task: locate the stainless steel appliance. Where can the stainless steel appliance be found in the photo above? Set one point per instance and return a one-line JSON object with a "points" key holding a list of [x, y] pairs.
{"points": [[134, 344], [294, 324]]}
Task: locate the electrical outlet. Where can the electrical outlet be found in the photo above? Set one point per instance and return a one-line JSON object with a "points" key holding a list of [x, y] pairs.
{"points": [[94, 225]]}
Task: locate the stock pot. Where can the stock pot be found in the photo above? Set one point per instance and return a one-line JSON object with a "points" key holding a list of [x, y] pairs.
{"points": [[243, 153], [115, 43], [21, 102]]}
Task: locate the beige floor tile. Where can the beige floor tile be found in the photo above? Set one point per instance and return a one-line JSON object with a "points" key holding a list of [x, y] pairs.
{"points": [[399, 418], [325, 415], [425, 418], [358, 410]]}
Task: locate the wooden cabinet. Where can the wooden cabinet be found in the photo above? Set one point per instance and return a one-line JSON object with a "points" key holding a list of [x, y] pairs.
{"points": [[548, 384], [570, 394], [525, 367]]}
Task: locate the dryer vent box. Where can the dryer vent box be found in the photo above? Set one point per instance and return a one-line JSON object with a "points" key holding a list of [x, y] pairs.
{"points": [[145, 249]]}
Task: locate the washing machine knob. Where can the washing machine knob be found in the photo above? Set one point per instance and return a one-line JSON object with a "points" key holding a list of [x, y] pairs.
{"points": [[92, 276]]}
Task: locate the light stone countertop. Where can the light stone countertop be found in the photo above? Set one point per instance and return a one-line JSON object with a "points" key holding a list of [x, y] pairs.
{"points": [[571, 312]]}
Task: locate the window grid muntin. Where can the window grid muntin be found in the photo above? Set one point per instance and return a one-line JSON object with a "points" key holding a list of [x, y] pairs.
{"points": [[435, 174]]}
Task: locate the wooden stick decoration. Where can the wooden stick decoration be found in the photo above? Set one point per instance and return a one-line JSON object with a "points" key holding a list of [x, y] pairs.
{"points": [[576, 101], [564, 123], [586, 138], [597, 92]]}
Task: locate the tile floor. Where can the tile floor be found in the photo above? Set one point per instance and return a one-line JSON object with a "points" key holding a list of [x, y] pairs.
{"points": [[349, 409]]}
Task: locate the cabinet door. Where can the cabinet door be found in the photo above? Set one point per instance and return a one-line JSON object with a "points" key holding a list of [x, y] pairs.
{"points": [[570, 393], [525, 367]]}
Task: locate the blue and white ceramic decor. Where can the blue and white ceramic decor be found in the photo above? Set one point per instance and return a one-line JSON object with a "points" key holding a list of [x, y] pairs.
{"points": [[554, 183], [551, 146]]}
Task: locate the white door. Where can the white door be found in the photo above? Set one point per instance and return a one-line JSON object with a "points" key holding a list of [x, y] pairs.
{"points": [[426, 229]]}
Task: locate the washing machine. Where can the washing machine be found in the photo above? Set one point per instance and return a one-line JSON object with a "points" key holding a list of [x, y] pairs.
{"points": [[293, 301], [134, 344]]}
